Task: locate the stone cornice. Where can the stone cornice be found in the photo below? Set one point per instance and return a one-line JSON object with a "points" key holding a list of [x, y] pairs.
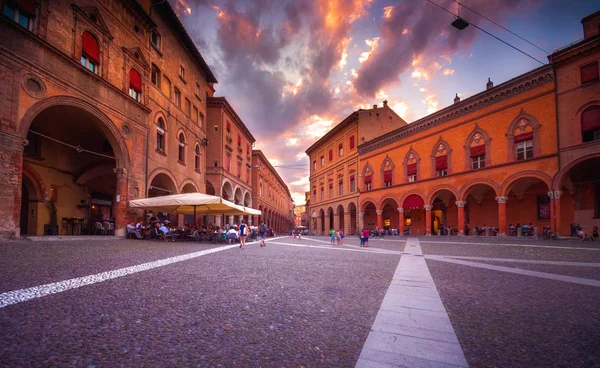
{"points": [[522, 83], [575, 51]]}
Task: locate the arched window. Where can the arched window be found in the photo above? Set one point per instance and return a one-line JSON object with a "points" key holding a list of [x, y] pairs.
{"points": [[368, 178], [590, 124], [411, 166], [477, 151], [440, 160], [181, 150], [135, 85], [523, 138], [155, 76], [160, 135], [90, 52], [197, 158], [387, 172]]}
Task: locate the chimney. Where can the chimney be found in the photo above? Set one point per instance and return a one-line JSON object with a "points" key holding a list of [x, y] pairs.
{"points": [[374, 106], [489, 84], [456, 99], [384, 103]]}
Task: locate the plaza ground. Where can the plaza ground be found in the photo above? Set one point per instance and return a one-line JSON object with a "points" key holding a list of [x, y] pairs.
{"points": [[299, 303]]}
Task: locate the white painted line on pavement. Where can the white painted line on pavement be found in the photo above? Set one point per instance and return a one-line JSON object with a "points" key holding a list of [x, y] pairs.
{"points": [[513, 260], [378, 251], [508, 245], [22, 295], [518, 271]]}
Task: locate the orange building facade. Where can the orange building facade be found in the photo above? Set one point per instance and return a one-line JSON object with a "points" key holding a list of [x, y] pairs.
{"points": [[334, 168], [271, 195]]}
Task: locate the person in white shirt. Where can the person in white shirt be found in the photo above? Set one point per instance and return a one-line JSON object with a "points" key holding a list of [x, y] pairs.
{"points": [[231, 234]]}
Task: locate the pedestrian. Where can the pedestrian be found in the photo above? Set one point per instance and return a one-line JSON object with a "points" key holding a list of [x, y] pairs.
{"points": [[341, 237], [262, 232], [243, 233], [332, 234], [365, 238]]}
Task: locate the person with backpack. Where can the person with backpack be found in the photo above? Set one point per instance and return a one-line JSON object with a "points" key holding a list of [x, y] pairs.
{"points": [[243, 232], [262, 232]]}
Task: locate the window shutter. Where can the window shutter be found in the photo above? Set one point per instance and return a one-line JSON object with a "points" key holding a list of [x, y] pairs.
{"points": [[387, 175], [330, 185], [135, 80], [589, 72], [351, 177], [239, 140], [478, 151], [523, 137], [441, 162], [330, 155], [341, 181], [340, 146], [590, 119], [228, 126], [27, 5], [411, 169], [368, 179], [90, 47], [352, 142]]}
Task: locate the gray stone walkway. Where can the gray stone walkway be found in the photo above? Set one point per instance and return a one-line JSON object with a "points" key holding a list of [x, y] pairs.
{"points": [[412, 328]]}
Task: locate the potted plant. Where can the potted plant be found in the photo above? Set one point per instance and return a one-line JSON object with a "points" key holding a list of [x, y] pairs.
{"points": [[52, 227]]}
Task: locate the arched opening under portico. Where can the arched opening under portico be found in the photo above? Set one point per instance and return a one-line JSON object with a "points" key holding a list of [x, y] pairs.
{"points": [[322, 222], [481, 208], [389, 208], [353, 218], [414, 214], [369, 219], [330, 221], [527, 202], [444, 213], [340, 214]]}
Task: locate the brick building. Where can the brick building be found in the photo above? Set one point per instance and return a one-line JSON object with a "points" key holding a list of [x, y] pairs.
{"points": [[101, 102], [271, 195], [334, 170], [228, 156], [525, 151]]}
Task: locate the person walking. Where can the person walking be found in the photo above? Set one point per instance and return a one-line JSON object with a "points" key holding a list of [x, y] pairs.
{"points": [[262, 232], [332, 234], [365, 237], [341, 237], [243, 233]]}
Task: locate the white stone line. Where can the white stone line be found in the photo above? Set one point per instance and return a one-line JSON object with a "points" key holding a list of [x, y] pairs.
{"points": [[412, 327], [341, 249], [317, 240], [513, 260], [22, 295], [518, 271], [509, 245]]}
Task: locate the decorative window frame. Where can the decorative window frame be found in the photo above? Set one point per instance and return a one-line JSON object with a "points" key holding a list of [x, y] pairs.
{"points": [[197, 156], [367, 170], [510, 136], [488, 143], [389, 161], [407, 157], [164, 132], [436, 148], [179, 145]]}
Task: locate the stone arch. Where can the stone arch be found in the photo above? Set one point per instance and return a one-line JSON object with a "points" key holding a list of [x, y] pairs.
{"points": [[110, 130], [188, 182], [162, 170], [247, 199], [464, 190], [365, 201], [387, 165], [36, 180], [238, 197], [210, 188], [411, 157], [227, 190], [523, 122], [438, 150], [505, 187], [560, 176], [166, 184], [386, 198], [413, 192], [434, 191], [476, 134]]}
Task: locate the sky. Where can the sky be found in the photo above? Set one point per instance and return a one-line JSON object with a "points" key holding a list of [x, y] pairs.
{"points": [[293, 69]]}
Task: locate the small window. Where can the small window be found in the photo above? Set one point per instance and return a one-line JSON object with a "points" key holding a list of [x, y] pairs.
{"points": [[197, 158], [322, 193], [315, 165], [166, 87], [341, 150], [177, 97], [248, 175], [330, 190], [201, 122], [412, 178], [341, 188], [524, 150], [590, 124], [195, 115], [330, 155], [135, 85], [352, 184], [352, 142], [228, 162], [478, 162], [181, 151], [322, 160], [589, 72], [160, 135], [239, 169], [197, 90], [188, 107], [155, 39], [155, 76], [441, 172], [21, 12], [90, 52], [182, 72]]}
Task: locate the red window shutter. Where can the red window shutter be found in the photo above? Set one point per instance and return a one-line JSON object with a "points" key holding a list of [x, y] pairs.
{"points": [[341, 181], [228, 126], [368, 179], [135, 80], [590, 119], [351, 177], [90, 47], [27, 5], [523, 137], [330, 185], [239, 140], [340, 146], [352, 142], [478, 151], [589, 72], [441, 162], [387, 175], [330, 155], [411, 169]]}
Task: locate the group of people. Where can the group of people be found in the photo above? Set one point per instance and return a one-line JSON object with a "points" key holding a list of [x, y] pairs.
{"points": [[587, 236], [524, 230], [337, 237]]}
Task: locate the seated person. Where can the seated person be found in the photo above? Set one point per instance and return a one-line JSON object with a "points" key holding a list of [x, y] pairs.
{"points": [[582, 235], [131, 229], [232, 234], [595, 232]]}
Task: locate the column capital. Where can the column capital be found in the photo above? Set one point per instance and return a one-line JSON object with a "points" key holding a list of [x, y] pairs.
{"points": [[400, 210], [501, 199], [379, 212], [120, 171], [428, 207], [557, 194], [551, 194], [361, 214], [460, 204]]}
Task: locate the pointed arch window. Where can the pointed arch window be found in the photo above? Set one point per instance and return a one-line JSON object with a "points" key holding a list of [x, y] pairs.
{"points": [[181, 148], [477, 152], [590, 124], [441, 160], [523, 138], [160, 135], [90, 52], [411, 167], [368, 175], [135, 85], [387, 170], [197, 157]]}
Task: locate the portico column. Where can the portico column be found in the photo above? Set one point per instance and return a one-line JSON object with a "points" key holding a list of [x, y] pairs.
{"points": [[361, 221], [347, 224], [379, 219], [461, 217], [502, 215], [336, 221], [319, 225], [557, 195], [428, 209], [121, 202], [401, 220]]}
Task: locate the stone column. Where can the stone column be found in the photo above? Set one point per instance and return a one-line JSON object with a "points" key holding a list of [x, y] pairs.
{"points": [[428, 209], [336, 221], [502, 215], [557, 195], [461, 217], [319, 225], [400, 220], [360, 221], [379, 219], [120, 212], [347, 224]]}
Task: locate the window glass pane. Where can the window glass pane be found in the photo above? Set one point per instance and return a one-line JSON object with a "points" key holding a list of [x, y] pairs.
{"points": [[9, 12], [24, 20], [91, 66], [83, 60]]}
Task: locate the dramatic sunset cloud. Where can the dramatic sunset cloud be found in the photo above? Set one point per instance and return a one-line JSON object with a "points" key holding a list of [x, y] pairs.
{"points": [[293, 69]]}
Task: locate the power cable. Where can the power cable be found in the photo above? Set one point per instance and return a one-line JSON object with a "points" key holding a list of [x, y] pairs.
{"points": [[76, 148]]}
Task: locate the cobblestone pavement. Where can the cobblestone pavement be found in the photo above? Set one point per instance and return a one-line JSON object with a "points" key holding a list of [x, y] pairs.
{"points": [[274, 306]]}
